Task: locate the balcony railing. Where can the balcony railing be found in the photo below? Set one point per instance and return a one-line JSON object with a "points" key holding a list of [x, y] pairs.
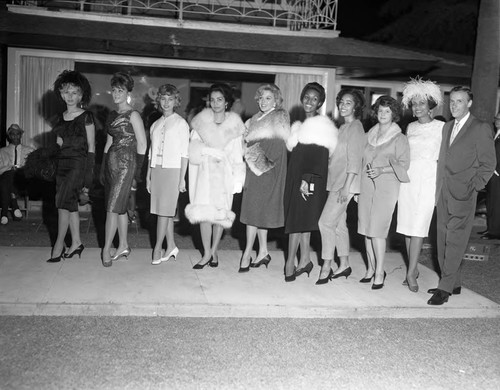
{"points": [[292, 14]]}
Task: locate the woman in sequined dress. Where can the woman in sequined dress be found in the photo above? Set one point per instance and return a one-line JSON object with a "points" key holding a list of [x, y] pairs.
{"points": [[123, 158]]}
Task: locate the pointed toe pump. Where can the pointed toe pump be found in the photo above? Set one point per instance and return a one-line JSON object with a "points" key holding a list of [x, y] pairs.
{"points": [[123, 255], [347, 272], [307, 269], [380, 285], [173, 254], [264, 261], [245, 269], [57, 259], [327, 279], [78, 251], [106, 259], [201, 266]]}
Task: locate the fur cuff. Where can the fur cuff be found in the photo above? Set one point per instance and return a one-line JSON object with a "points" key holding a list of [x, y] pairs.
{"points": [[257, 160], [208, 213]]}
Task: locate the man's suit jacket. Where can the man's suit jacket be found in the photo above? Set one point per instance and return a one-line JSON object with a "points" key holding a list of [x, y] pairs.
{"points": [[468, 163]]}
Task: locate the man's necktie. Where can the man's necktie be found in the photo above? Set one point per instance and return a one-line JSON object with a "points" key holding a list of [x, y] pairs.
{"points": [[15, 155], [454, 132]]}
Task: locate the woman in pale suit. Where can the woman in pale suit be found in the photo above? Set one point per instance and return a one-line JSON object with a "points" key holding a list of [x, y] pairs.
{"points": [[386, 158], [344, 171], [168, 161], [417, 198]]}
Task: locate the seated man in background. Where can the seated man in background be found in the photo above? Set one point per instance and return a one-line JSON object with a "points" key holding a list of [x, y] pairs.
{"points": [[12, 159]]}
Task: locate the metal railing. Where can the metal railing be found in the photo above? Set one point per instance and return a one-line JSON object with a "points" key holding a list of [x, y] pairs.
{"points": [[292, 14]]}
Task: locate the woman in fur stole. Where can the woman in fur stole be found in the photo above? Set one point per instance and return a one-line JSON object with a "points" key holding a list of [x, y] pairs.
{"points": [[311, 144], [265, 155], [344, 170], [216, 170]]}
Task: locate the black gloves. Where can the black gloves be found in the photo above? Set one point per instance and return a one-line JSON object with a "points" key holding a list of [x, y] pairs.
{"points": [[89, 170], [102, 176], [138, 168]]}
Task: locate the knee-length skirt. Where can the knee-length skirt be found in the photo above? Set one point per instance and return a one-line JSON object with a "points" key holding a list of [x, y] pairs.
{"points": [[164, 190]]}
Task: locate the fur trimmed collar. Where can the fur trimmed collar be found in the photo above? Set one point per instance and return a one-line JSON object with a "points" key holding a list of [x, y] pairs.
{"points": [[275, 124], [375, 139], [217, 135], [318, 130]]}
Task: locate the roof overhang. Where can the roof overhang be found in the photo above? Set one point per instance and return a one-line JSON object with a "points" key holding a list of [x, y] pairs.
{"points": [[351, 58]]}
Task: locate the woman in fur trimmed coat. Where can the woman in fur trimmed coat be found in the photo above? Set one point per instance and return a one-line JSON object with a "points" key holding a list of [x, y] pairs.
{"points": [[311, 144], [265, 155], [216, 170]]}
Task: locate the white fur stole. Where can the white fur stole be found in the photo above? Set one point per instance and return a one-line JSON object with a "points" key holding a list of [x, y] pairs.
{"points": [[318, 130], [217, 135]]}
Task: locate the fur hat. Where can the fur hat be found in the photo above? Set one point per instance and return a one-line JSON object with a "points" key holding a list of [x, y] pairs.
{"points": [[425, 89]]}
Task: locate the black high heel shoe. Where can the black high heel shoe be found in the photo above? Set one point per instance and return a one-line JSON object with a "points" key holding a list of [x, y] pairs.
{"points": [[367, 280], [58, 258], [346, 273], [307, 269], [292, 277], [380, 285], [327, 279], [201, 266], [78, 251], [244, 269], [264, 261]]}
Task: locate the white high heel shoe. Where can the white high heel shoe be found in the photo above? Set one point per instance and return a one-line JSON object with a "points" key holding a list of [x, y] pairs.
{"points": [[173, 254]]}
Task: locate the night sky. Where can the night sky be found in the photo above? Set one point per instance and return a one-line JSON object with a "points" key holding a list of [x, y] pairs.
{"points": [[358, 18], [440, 25]]}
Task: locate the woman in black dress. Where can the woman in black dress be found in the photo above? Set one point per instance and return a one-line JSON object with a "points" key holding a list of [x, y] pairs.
{"points": [[311, 144], [75, 133], [122, 163]]}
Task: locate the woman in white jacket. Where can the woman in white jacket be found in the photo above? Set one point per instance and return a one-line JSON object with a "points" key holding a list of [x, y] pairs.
{"points": [[168, 161], [216, 170]]}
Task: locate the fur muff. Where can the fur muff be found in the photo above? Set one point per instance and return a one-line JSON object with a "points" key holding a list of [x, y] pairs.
{"points": [[197, 213], [257, 160], [276, 124], [318, 130], [217, 135]]}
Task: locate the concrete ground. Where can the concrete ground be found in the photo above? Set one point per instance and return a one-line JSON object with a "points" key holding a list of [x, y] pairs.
{"points": [[78, 325], [30, 286]]}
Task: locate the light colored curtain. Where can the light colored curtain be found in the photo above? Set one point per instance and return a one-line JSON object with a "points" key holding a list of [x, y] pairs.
{"points": [[291, 86], [38, 104]]}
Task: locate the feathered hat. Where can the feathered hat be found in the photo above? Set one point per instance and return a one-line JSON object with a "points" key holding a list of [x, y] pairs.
{"points": [[425, 89]]}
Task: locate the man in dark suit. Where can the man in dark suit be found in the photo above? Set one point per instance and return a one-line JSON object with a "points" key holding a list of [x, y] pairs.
{"points": [[466, 162]]}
